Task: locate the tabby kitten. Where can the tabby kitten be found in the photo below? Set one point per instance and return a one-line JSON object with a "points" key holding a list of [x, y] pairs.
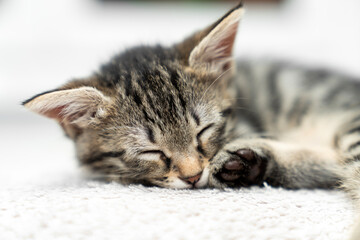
{"points": [[188, 116]]}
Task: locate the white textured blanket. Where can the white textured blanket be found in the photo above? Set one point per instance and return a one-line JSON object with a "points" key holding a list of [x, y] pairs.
{"points": [[92, 210], [45, 198]]}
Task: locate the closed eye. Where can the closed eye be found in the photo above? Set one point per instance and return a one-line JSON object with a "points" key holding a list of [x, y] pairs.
{"points": [[203, 134], [154, 154], [198, 136]]}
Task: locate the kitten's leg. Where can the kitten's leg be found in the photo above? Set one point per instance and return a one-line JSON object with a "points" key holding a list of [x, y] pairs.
{"points": [[246, 162], [347, 140]]}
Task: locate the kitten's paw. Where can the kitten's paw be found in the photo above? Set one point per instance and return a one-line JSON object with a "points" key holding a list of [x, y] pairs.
{"points": [[240, 168]]}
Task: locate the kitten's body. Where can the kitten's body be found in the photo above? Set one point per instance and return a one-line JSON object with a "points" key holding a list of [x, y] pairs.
{"points": [[305, 121], [188, 116]]}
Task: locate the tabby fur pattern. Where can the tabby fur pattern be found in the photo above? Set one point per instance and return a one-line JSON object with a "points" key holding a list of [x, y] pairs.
{"points": [[189, 116]]}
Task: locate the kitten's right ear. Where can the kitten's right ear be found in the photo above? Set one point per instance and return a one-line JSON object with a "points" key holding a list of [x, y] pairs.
{"points": [[210, 50], [71, 107]]}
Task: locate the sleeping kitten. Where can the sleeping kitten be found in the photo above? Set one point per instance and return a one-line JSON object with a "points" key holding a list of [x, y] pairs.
{"points": [[188, 116]]}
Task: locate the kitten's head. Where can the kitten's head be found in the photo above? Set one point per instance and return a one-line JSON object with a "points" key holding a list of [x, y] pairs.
{"points": [[152, 115]]}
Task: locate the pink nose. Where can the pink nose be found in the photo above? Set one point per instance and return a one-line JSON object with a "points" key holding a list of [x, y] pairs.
{"points": [[192, 180]]}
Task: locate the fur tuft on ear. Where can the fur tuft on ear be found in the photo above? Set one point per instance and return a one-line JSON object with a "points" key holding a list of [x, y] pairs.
{"points": [[210, 50], [73, 106]]}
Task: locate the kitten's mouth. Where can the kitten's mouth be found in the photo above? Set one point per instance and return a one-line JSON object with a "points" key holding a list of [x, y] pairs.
{"points": [[178, 183]]}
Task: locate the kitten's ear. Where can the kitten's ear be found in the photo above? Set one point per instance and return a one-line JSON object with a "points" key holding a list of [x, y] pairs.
{"points": [[75, 107], [211, 49]]}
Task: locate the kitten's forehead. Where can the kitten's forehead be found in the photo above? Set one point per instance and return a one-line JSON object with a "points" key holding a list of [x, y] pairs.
{"points": [[156, 89], [159, 95]]}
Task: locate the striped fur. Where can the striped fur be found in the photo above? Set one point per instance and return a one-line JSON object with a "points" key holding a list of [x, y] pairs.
{"points": [[189, 116]]}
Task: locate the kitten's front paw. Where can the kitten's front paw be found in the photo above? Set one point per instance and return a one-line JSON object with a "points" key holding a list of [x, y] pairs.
{"points": [[240, 168]]}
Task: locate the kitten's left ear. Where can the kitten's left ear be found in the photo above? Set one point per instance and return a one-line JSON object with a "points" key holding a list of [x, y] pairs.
{"points": [[70, 107], [211, 49]]}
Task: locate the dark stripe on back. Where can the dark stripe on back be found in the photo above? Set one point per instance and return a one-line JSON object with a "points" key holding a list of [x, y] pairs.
{"points": [[244, 113], [298, 111], [314, 77], [353, 146], [273, 90], [355, 119], [332, 94], [353, 130]]}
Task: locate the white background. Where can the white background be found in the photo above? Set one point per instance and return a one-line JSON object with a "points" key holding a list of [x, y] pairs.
{"points": [[46, 43]]}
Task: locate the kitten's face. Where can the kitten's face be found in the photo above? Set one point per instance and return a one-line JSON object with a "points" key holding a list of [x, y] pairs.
{"points": [[163, 132], [152, 115]]}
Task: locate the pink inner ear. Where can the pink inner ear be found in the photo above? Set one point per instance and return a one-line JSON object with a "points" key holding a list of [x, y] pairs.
{"points": [[228, 42], [226, 45], [57, 113], [54, 112], [222, 50]]}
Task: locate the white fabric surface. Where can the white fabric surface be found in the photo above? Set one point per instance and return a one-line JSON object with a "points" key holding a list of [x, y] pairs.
{"points": [[43, 196], [72, 209]]}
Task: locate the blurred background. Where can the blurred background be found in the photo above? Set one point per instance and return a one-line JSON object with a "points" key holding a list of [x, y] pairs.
{"points": [[45, 43]]}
